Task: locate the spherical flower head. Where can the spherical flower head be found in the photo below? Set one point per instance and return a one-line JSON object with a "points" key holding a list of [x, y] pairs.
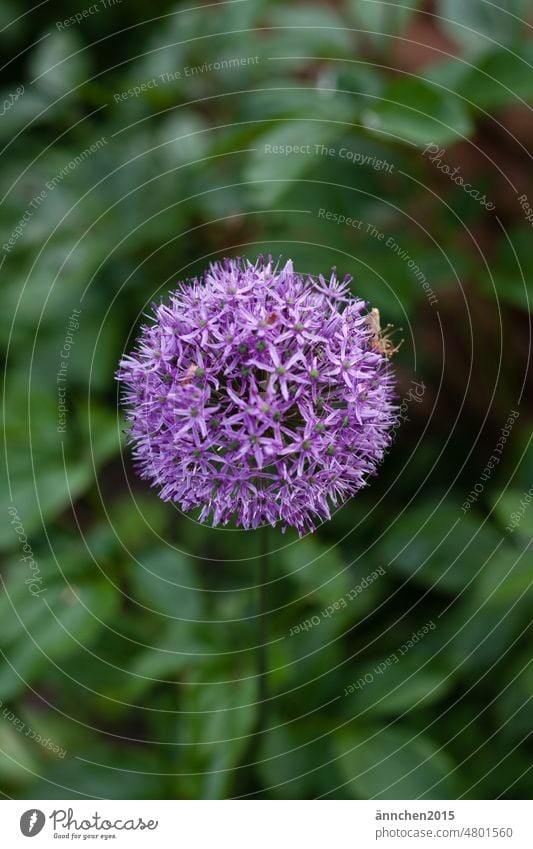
{"points": [[259, 396]]}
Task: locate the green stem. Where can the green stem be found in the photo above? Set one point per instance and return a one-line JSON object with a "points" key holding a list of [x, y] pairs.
{"points": [[262, 629], [246, 777]]}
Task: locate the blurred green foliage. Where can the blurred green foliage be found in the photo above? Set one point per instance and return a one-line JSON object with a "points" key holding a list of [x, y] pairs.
{"points": [[140, 658]]}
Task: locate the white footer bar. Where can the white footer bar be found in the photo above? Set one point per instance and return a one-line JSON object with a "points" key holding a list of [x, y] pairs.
{"points": [[267, 824]]}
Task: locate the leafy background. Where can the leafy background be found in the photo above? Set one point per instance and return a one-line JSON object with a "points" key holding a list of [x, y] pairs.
{"points": [[140, 658]]}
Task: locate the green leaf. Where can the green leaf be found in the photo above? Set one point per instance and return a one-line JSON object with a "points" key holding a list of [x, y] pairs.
{"points": [[317, 30], [284, 154], [292, 761], [438, 546], [393, 763], [320, 573], [307, 664], [511, 277], [481, 25], [99, 772], [515, 510], [17, 761], [413, 111], [165, 582], [513, 702], [182, 137], [416, 681], [216, 720], [59, 623], [59, 62], [178, 648], [499, 79], [51, 494], [25, 109], [43, 482], [478, 630], [383, 19]]}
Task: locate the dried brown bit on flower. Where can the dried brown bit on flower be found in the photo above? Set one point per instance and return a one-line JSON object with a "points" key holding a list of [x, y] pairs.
{"points": [[189, 374]]}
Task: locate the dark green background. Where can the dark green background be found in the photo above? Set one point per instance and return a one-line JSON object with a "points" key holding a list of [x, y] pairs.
{"points": [[139, 658]]}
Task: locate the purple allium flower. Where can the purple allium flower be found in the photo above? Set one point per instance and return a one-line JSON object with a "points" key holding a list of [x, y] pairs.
{"points": [[259, 395]]}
